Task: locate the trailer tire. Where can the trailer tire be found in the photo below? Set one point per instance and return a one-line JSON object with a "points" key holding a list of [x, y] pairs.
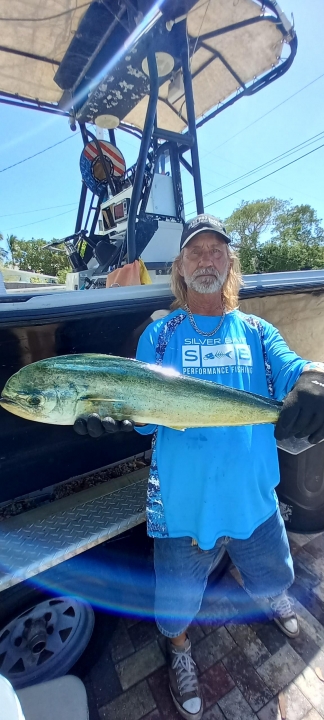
{"points": [[95, 636]]}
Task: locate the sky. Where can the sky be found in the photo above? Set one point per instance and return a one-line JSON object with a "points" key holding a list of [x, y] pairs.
{"points": [[39, 198]]}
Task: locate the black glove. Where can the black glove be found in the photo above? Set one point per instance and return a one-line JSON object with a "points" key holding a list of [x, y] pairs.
{"points": [[302, 414], [95, 427]]}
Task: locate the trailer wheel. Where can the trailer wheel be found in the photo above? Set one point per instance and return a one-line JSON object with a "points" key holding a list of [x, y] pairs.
{"points": [[43, 636]]}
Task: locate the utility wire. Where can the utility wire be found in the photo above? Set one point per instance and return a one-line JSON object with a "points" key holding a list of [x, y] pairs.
{"points": [[265, 176], [38, 153], [267, 113], [285, 154], [25, 212], [43, 219]]}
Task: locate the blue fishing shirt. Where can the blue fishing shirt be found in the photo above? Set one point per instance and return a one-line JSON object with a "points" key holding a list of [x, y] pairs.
{"points": [[206, 483]]}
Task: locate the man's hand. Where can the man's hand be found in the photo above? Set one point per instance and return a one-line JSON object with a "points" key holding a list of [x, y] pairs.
{"points": [[302, 414], [95, 426]]}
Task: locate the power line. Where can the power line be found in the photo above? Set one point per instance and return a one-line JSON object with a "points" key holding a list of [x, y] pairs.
{"points": [[25, 212], [43, 219], [39, 153], [268, 112], [266, 176], [265, 114], [285, 154]]}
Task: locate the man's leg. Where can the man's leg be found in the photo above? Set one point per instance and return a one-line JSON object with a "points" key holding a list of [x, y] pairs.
{"points": [[181, 571], [265, 563]]}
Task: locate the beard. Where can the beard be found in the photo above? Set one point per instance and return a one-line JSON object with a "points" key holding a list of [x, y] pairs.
{"points": [[206, 280]]}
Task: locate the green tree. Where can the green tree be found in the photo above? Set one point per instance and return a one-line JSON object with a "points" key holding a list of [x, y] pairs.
{"points": [[61, 275], [274, 256], [3, 252], [247, 223], [11, 239], [298, 224], [34, 256], [297, 242], [296, 236]]}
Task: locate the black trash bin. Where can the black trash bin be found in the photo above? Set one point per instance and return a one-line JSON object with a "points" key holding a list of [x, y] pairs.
{"points": [[301, 489]]}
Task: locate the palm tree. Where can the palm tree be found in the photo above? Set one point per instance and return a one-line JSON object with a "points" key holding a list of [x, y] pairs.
{"points": [[3, 252], [11, 240]]}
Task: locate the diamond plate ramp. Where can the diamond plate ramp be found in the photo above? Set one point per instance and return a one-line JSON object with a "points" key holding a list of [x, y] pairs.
{"points": [[39, 539]]}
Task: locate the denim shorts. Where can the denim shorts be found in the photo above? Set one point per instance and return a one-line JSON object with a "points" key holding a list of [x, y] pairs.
{"points": [[182, 570]]}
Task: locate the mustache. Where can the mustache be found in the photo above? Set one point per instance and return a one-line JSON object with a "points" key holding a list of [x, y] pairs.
{"points": [[206, 271]]}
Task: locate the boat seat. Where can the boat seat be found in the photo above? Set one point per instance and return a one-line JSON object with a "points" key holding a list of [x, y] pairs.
{"points": [[103, 250], [64, 698], [107, 253]]}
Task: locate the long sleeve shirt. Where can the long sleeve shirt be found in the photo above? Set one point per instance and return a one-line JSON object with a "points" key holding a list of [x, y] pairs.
{"points": [[212, 482]]}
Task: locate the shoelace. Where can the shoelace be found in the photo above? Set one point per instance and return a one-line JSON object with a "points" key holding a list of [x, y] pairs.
{"points": [[184, 666], [282, 606]]}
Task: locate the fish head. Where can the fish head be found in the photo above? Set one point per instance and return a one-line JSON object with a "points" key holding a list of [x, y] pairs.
{"points": [[33, 396]]}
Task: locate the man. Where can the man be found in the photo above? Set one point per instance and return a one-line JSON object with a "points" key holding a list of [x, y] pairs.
{"points": [[215, 487]]}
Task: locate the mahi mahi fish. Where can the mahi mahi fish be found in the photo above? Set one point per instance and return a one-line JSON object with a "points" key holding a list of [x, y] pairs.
{"points": [[60, 389]]}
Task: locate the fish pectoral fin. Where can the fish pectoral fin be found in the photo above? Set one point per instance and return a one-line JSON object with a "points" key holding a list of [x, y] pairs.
{"points": [[102, 406]]}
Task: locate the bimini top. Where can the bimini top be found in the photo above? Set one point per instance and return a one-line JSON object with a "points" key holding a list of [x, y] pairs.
{"points": [[89, 58]]}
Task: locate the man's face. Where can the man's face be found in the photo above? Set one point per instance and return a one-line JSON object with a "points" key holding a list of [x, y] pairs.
{"points": [[205, 263]]}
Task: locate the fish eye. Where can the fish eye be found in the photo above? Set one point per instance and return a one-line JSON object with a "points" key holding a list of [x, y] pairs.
{"points": [[34, 401]]}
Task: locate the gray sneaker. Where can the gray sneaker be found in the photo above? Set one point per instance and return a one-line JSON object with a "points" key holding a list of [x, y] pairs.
{"points": [[284, 615], [184, 685]]}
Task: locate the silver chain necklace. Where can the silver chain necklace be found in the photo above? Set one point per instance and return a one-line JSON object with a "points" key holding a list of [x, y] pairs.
{"points": [[201, 332]]}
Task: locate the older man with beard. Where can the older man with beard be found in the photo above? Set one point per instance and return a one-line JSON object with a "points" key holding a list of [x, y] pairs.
{"points": [[211, 488]]}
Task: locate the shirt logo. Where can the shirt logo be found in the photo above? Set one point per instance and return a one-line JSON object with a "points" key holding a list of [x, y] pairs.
{"points": [[220, 355], [243, 354], [191, 356]]}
